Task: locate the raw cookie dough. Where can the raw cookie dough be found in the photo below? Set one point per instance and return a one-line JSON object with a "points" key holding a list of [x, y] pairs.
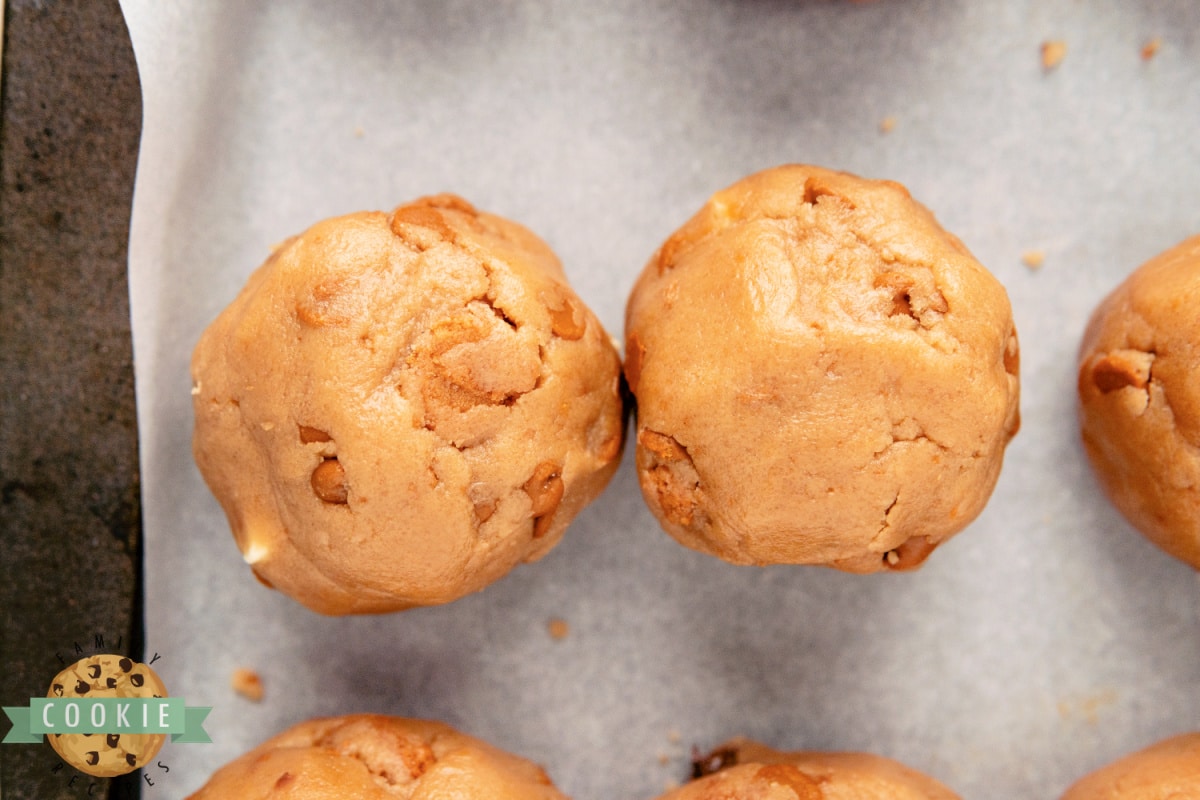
{"points": [[823, 375], [1139, 399], [1169, 770], [398, 408], [107, 755], [746, 770], [367, 756]]}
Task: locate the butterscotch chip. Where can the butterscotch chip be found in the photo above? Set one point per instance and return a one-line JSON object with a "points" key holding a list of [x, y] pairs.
{"points": [[823, 375], [329, 481], [1169, 769], [746, 770], [372, 757], [566, 321], [400, 407], [801, 784], [1034, 259], [1139, 401], [545, 490], [308, 435]]}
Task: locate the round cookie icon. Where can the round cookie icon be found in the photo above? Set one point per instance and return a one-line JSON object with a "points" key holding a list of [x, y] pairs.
{"points": [[106, 755]]}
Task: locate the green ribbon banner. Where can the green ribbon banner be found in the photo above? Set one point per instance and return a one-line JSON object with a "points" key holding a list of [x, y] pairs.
{"points": [[67, 715]]}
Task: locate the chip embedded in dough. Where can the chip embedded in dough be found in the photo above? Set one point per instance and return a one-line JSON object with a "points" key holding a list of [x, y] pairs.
{"points": [[400, 407], [1139, 399], [823, 375], [742, 769], [374, 757]]}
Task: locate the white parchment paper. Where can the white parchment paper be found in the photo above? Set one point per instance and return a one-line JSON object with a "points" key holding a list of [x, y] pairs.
{"points": [[1044, 641]]}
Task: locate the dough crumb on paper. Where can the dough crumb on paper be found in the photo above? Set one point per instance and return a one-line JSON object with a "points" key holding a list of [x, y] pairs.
{"points": [[1053, 52], [558, 628], [247, 683], [1034, 259]]}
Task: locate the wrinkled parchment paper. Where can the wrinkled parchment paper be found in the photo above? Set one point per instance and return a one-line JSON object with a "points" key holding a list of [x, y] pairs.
{"points": [[1045, 640]]}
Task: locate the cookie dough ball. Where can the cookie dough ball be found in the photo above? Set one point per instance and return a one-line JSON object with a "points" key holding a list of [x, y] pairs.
{"points": [[823, 375], [398, 408], [1139, 399], [370, 757], [746, 770], [1167, 770], [107, 755]]}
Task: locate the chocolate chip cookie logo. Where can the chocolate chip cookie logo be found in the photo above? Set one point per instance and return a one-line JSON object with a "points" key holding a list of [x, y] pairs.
{"points": [[106, 715]]}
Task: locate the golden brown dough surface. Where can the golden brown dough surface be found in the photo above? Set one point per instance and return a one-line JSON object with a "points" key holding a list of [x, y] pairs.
{"points": [[823, 375], [398, 408], [371, 757], [757, 772], [1139, 398], [1169, 770]]}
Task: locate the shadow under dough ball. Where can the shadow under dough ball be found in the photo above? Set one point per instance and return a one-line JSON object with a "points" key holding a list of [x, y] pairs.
{"points": [[1168, 770], [746, 770], [1139, 399], [823, 375], [375, 757], [398, 408]]}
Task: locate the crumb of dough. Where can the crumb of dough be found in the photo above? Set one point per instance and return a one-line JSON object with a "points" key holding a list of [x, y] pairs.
{"points": [[1150, 49], [674, 736], [664, 759], [359, 132], [247, 683], [1053, 52], [887, 124], [893, 558], [558, 628], [1033, 258]]}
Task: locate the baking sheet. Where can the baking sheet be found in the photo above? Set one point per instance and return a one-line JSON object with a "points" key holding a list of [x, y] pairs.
{"points": [[1045, 640]]}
